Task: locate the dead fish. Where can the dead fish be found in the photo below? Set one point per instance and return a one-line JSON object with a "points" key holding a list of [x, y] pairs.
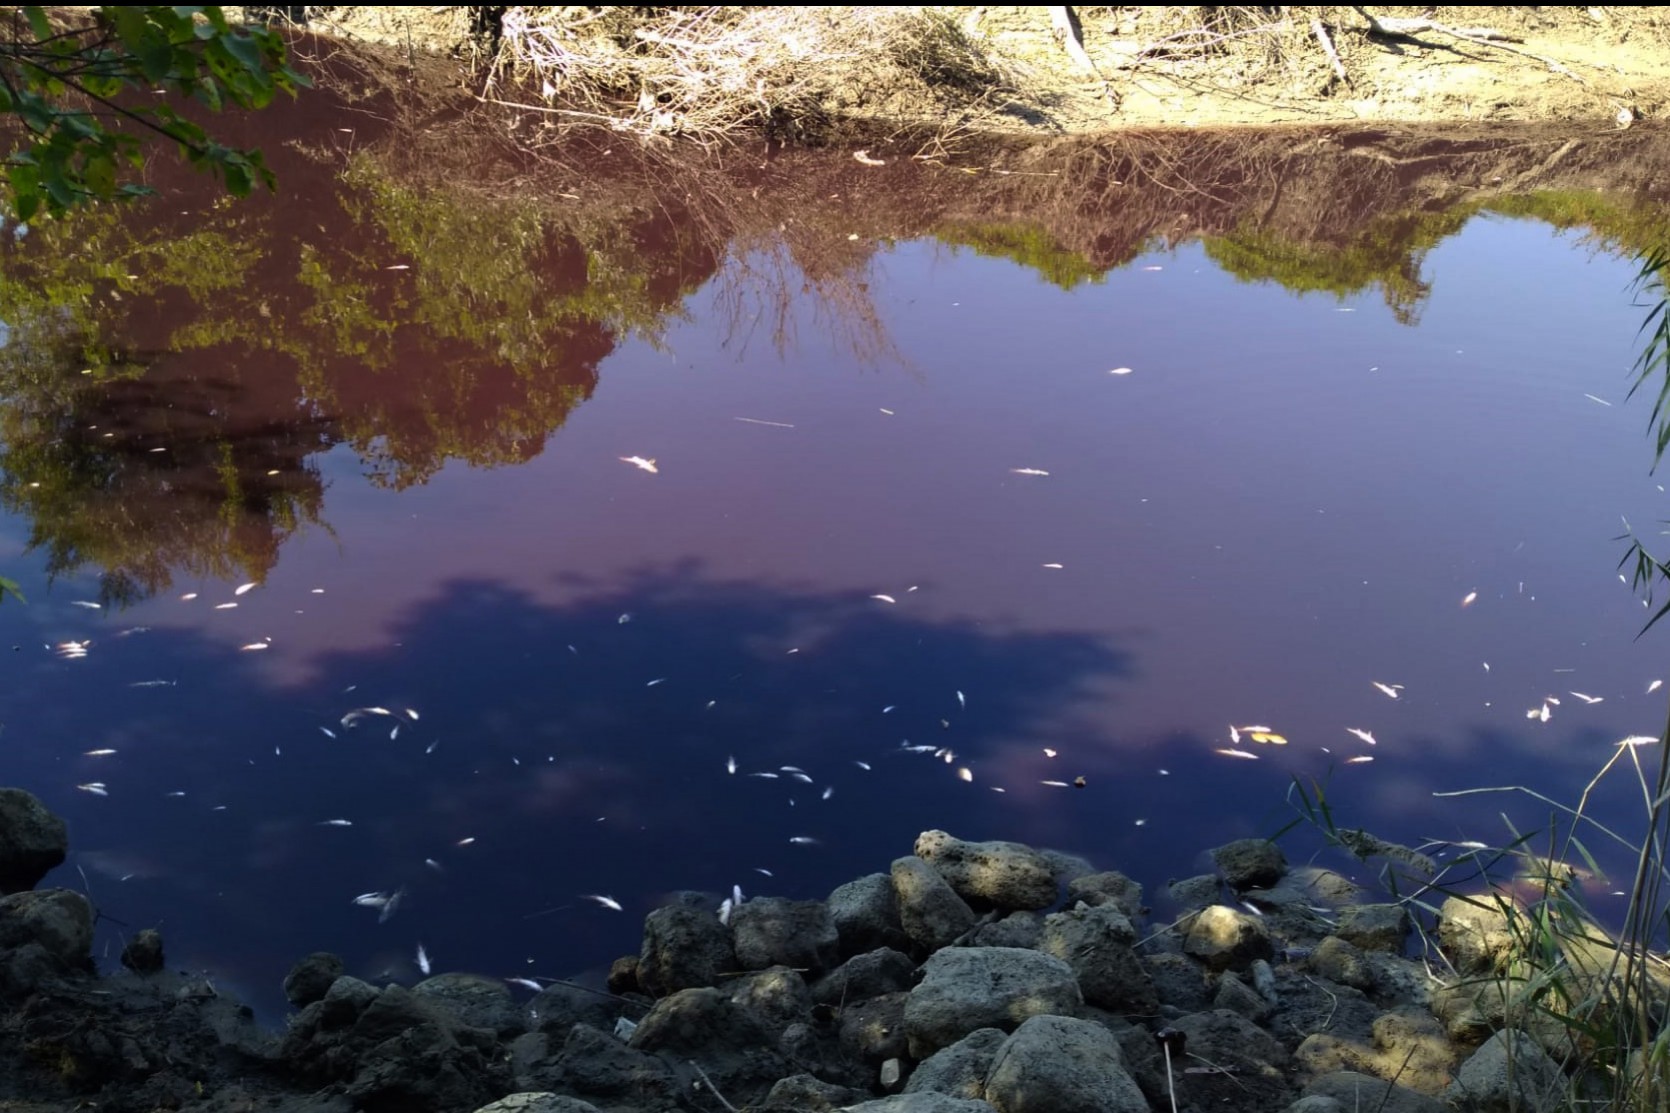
{"points": [[1391, 690], [610, 903], [526, 983], [1638, 740], [188, 597], [412, 715], [803, 840], [640, 462], [97, 788], [884, 598], [767, 776], [1055, 566], [965, 774], [1049, 752], [1243, 754], [243, 589], [725, 911], [803, 777], [88, 603], [657, 680], [864, 765], [225, 606], [1360, 759], [1363, 734], [98, 753], [1588, 699], [422, 960], [252, 646], [962, 702], [1056, 784], [1469, 599], [327, 732], [829, 790], [1029, 471], [336, 823], [1654, 686], [730, 766], [1119, 371]]}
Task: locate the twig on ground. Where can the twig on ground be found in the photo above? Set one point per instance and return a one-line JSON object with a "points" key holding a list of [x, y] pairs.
{"points": [[1406, 30]]}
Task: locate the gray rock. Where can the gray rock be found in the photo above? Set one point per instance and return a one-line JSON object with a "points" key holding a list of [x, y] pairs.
{"points": [[623, 976], [143, 954], [559, 1007], [1194, 892], [1239, 997], [1231, 1040], [1341, 962], [874, 1030], [695, 1021], [1374, 927], [1250, 863], [1414, 1039], [1510, 1073], [538, 1102], [33, 841], [776, 998], [1179, 981], [1475, 933], [310, 979], [1059, 1064], [1316, 1103], [775, 931], [1096, 943], [58, 920], [1066, 867], [1360, 1091], [985, 987], [345, 1000], [866, 915], [862, 976], [1001, 874], [803, 1093], [1226, 938], [920, 1103], [685, 947], [959, 1070], [932, 913], [1110, 887], [595, 1065], [477, 1001], [1018, 929]]}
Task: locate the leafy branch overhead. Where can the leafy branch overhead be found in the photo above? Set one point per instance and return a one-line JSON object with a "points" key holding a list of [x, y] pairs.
{"points": [[82, 95]]}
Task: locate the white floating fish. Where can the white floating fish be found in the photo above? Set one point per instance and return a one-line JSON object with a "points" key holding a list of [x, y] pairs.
{"points": [[412, 715], [526, 983], [889, 709], [1056, 784], [336, 823], [372, 900], [1541, 713], [790, 769], [1048, 752], [1029, 471], [762, 869], [244, 589], [725, 911], [252, 646], [327, 732], [1469, 599], [884, 598], [1639, 740], [465, 841], [610, 903], [640, 462], [886, 411], [767, 776], [1391, 690], [1119, 371], [962, 702], [188, 597], [88, 603], [1654, 686], [225, 606], [803, 840], [1366, 736], [434, 865], [1243, 754], [829, 790], [1588, 699], [98, 753], [736, 896], [422, 960], [804, 777], [1360, 759], [657, 680], [97, 788], [623, 619], [1055, 566], [864, 765], [965, 774], [730, 765]]}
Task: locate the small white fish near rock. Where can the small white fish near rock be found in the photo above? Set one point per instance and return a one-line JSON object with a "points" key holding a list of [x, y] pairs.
{"points": [[422, 960], [641, 463], [602, 901]]}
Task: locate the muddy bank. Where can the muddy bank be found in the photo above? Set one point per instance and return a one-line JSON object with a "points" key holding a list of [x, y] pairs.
{"points": [[967, 977]]}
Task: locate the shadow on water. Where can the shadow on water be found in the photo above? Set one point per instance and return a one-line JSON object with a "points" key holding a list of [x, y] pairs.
{"points": [[581, 753]]}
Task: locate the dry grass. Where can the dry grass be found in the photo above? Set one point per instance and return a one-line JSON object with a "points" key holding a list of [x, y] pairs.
{"points": [[706, 73]]}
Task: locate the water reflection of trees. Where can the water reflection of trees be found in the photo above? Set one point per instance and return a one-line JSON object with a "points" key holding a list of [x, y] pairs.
{"points": [[424, 292]]}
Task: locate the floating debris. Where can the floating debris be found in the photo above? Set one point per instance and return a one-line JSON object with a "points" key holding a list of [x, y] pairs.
{"points": [[758, 421], [1267, 738]]}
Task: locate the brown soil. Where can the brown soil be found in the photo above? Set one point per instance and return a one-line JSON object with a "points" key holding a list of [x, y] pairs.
{"points": [[1202, 67]]}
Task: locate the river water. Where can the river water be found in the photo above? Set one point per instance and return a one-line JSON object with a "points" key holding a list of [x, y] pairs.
{"points": [[952, 488]]}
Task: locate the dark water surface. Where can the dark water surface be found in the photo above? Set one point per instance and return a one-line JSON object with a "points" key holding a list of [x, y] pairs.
{"points": [[1287, 499]]}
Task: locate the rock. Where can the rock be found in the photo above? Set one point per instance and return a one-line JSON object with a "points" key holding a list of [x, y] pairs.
{"points": [[1250, 863], [1231, 1040], [1059, 1064], [345, 1000], [1194, 892], [892, 1070], [862, 976], [1414, 1040], [775, 931], [959, 1070], [477, 1001], [866, 915], [1316, 1103], [1096, 943], [985, 987], [58, 920], [33, 841], [931, 912], [920, 1103], [593, 1064], [1226, 938], [1360, 1091], [143, 954], [1018, 929], [540, 1102], [403, 1051], [874, 1030], [559, 1007], [1374, 927], [802, 1093], [1238, 997], [1475, 934], [1510, 1073], [1179, 982], [733, 1045], [1004, 875], [1339, 961], [623, 976], [685, 947], [1110, 887], [777, 998], [310, 979]]}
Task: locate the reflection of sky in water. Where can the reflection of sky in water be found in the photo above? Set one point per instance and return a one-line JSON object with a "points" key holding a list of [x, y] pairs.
{"points": [[1285, 501]]}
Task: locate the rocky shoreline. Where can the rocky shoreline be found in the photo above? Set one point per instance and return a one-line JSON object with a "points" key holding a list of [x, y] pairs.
{"points": [[945, 985]]}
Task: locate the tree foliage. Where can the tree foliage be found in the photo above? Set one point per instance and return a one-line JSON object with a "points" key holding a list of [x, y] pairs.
{"points": [[82, 97]]}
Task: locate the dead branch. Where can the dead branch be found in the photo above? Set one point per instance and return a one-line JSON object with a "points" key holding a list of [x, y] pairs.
{"points": [[1065, 24], [1320, 33], [1405, 30]]}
